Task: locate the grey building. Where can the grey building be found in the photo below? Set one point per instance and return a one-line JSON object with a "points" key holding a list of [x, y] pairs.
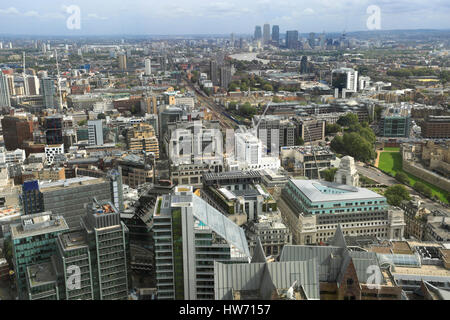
{"points": [[107, 237], [67, 198], [48, 91], [292, 39], [95, 132], [272, 126], [276, 34], [258, 33]]}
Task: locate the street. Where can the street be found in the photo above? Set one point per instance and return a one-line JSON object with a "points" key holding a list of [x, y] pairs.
{"points": [[382, 178]]}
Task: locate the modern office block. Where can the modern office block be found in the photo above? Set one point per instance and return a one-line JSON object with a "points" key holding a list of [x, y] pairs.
{"points": [[66, 198], [108, 241], [95, 132], [48, 91], [189, 236], [33, 242]]}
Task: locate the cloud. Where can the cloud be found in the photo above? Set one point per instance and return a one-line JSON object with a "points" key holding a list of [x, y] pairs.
{"points": [[95, 16], [10, 10], [31, 14]]}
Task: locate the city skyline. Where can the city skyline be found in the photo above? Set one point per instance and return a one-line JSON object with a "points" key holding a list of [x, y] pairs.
{"points": [[152, 18]]}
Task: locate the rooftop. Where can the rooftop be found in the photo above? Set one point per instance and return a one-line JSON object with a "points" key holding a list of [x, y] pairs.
{"points": [[323, 191], [40, 274], [69, 183], [73, 239], [41, 223]]}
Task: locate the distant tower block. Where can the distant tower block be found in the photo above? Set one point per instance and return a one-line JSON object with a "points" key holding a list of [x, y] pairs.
{"points": [[347, 173], [148, 67], [336, 93]]}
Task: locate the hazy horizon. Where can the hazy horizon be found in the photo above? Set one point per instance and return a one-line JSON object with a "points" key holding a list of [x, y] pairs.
{"points": [[195, 17]]}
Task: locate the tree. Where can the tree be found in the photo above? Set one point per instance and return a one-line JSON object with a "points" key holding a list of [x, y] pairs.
{"points": [[101, 116], [82, 123], [247, 110], [347, 120], [328, 174], [268, 87], [396, 194], [337, 144], [422, 188], [332, 128], [402, 177], [232, 87], [300, 141]]}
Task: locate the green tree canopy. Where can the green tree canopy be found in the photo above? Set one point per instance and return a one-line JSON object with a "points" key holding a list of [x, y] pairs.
{"points": [[422, 188], [328, 174], [396, 194], [347, 120], [402, 177], [332, 128]]}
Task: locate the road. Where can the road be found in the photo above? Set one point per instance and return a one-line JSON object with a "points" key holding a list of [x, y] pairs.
{"points": [[215, 108], [382, 178]]}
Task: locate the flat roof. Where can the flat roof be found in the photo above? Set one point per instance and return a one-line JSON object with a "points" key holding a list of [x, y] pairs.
{"points": [[70, 183], [324, 191], [18, 232], [40, 274], [424, 270], [73, 240]]}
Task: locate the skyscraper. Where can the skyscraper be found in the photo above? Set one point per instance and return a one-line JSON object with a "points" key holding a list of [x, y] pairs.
{"points": [[107, 238], [304, 65], [258, 33], [95, 132], [48, 92], [225, 77], [189, 236], [33, 242], [213, 72], [122, 62], [312, 40], [53, 130], [292, 39], [148, 67], [33, 85], [276, 34], [266, 33], [4, 91]]}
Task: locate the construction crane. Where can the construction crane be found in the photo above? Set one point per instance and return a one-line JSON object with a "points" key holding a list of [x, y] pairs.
{"points": [[59, 80], [26, 88]]}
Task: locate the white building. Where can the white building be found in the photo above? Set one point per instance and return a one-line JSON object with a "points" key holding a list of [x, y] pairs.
{"points": [[248, 154], [148, 67], [351, 84], [11, 157], [52, 150], [200, 145]]}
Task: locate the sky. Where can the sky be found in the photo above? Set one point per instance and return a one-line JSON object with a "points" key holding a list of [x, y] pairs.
{"points": [[177, 17]]}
